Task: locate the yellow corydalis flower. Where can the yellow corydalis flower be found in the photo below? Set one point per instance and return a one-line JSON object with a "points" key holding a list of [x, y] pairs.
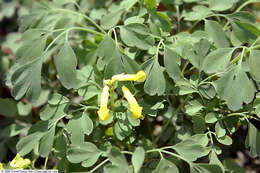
{"points": [[134, 106], [20, 163], [138, 77], [1, 166], [103, 112]]}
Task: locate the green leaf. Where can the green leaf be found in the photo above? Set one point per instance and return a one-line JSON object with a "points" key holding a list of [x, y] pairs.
{"points": [[27, 78], [135, 37], [27, 143], [215, 161], [113, 169], [189, 149], [199, 12], [54, 112], [152, 86], [63, 2], [32, 49], [86, 124], [111, 20], [117, 158], [243, 16], [150, 4], [198, 52], [226, 140], [57, 99], [76, 130], [128, 4], [162, 20], [60, 146], [46, 142], [205, 168], [245, 32], [201, 139], [216, 34], [199, 125], [24, 109], [193, 107], [8, 107], [233, 82], [253, 140], [138, 158], [217, 60], [13, 130], [220, 129], [254, 64], [221, 5], [211, 118], [207, 90], [122, 128], [107, 49], [166, 166], [66, 63], [171, 63], [86, 153]]}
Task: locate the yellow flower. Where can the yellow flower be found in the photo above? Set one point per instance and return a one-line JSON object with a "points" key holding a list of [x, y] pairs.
{"points": [[103, 111], [134, 106], [1, 166], [19, 163], [138, 77]]}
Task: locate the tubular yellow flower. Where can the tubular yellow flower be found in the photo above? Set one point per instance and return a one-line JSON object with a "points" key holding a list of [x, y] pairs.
{"points": [[19, 163], [103, 111], [134, 106], [138, 77], [1, 166]]}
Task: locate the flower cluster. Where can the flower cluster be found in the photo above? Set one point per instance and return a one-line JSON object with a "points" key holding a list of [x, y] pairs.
{"points": [[136, 110], [20, 163], [1, 166]]}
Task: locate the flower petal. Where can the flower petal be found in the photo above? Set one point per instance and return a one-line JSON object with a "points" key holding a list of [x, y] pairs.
{"points": [[103, 112], [134, 106]]}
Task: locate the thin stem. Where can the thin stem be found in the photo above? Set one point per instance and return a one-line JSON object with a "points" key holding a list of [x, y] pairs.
{"points": [[244, 5], [256, 47], [127, 152], [46, 162], [115, 35], [87, 30], [210, 135], [99, 165], [82, 15], [255, 42], [178, 18], [236, 114], [237, 10], [184, 67], [176, 155]]}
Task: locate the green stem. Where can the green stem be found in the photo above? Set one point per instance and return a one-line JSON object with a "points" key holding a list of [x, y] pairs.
{"points": [[82, 15], [256, 47], [184, 67], [169, 153], [210, 135], [127, 152], [46, 162], [237, 10], [99, 165], [176, 155]]}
